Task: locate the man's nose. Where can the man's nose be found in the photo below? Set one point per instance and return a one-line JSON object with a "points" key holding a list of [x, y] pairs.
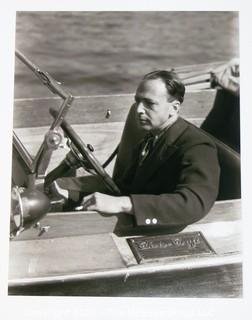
{"points": [[140, 107]]}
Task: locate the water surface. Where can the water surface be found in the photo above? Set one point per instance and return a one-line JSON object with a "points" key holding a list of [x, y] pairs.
{"points": [[108, 52]]}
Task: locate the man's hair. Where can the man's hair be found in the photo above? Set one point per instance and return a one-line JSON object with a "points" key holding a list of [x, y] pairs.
{"points": [[174, 85]]}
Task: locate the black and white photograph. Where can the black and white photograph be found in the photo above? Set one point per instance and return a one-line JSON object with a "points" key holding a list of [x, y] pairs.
{"points": [[126, 147]]}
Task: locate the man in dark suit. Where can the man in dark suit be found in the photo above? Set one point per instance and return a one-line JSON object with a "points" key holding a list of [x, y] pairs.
{"points": [[173, 176]]}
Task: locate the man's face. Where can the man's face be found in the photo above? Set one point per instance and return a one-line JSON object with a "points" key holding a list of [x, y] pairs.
{"points": [[154, 106]]}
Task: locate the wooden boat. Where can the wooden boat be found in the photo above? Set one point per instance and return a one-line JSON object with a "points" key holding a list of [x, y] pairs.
{"points": [[86, 254]]}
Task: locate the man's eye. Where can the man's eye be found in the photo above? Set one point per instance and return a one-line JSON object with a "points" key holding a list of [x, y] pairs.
{"points": [[149, 104], [146, 104]]}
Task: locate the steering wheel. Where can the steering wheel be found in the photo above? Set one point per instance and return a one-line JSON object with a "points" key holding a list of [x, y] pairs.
{"points": [[83, 154]]}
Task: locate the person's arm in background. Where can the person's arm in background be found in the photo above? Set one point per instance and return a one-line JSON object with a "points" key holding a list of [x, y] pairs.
{"points": [[228, 76]]}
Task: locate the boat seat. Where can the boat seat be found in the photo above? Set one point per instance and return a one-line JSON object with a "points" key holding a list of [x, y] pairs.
{"points": [[230, 186]]}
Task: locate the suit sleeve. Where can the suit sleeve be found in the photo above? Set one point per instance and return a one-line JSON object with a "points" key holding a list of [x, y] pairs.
{"points": [[195, 192]]}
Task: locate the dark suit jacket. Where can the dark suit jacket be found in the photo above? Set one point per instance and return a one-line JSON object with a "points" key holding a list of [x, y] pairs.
{"points": [[178, 182]]}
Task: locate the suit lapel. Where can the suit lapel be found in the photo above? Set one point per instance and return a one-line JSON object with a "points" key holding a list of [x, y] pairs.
{"points": [[163, 150]]}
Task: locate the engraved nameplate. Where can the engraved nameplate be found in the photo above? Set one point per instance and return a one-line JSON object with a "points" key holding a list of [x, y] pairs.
{"points": [[150, 248]]}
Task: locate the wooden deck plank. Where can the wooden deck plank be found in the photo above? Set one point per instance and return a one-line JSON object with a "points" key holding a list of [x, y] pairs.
{"points": [[65, 224], [63, 256], [104, 137], [89, 257], [93, 109]]}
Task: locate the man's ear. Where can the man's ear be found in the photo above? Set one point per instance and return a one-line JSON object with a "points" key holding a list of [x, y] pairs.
{"points": [[176, 105]]}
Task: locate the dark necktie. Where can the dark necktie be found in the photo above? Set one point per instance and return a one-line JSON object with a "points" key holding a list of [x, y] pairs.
{"points": [[147, 146]]}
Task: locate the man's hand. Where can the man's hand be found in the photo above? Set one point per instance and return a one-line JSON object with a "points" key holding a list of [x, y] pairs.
{"points": [[104, 203], [229, 77]]}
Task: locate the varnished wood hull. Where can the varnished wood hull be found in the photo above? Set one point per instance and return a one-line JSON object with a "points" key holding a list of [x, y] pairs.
{"points": [[210, 282]]}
